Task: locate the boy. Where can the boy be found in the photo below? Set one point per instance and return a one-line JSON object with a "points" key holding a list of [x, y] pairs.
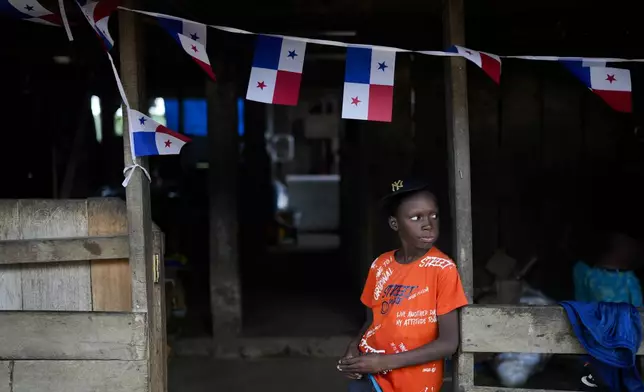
{"points": [[412, 295]]}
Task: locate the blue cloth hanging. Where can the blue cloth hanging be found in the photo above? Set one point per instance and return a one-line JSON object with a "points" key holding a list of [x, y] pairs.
{"points": [[611, 333]]}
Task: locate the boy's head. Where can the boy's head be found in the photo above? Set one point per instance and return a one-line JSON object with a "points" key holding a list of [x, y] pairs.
{"points": [[413, 213]]}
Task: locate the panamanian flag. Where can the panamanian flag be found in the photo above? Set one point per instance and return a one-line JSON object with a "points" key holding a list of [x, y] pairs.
{"points": [[151, 138], [191, 37], [98, 14], [489, 63], [369, 84], [29, 10], [613, 85], [276, 74]]}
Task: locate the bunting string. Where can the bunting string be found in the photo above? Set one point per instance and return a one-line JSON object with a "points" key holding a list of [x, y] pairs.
{"points": [[128, 171], [63, 16], [386, 48], [277, 68]]}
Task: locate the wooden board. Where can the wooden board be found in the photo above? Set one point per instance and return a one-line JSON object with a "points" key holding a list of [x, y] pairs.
{"points": [[519, 157], [484, 104], [55, 286], [111, 279], [10, 276], [157, 323], [6, 368], [80, 376], [458, 141], [73, 335], [63, 250], [137, 193], [528, 329]]}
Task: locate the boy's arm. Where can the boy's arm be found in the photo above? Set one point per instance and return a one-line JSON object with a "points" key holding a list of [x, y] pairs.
{"points": [[352, 349], [445, 346]]}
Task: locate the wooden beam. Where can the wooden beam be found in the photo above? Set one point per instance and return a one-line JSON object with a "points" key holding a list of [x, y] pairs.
{"points": [[73, 336], [458, 139], [64, 249], [79, 376], [225, 288], [527, 329], [137, 193], [139, 214], [157, 321]]}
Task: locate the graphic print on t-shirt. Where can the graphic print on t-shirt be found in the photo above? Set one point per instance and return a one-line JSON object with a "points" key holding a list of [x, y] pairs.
{"points": [[406, 301], [394, 294]]}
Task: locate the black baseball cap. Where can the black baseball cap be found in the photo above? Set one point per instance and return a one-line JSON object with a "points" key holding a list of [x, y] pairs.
{"points": [[403, 186]]}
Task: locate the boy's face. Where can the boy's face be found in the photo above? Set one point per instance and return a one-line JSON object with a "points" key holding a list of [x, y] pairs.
{"points": [[417, 221]]}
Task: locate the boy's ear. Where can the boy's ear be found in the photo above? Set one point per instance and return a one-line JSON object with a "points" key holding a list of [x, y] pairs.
{"points": [[393, 223]]}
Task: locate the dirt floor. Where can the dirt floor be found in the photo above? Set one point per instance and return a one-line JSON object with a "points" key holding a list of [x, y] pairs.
{"points": [[302, 374], [198, 374]]}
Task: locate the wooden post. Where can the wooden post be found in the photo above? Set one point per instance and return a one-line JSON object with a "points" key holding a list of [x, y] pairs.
{"points": [[139, 215], [225, 289], [458, 139]]}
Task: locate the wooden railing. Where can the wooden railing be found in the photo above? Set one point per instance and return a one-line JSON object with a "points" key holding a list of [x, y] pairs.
{"points": [[517, 329]]}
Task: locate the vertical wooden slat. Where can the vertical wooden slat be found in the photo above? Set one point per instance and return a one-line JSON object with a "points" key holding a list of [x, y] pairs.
{"points": [[225, 288], [6, 370], [562, 151], [64, 286], [111, 279], [458, 140], [157, 322], [520, 154], [484, 103], [138, 190], [139, 213], [11, 275]]}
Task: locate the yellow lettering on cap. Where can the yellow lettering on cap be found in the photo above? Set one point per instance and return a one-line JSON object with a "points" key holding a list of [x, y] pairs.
{"points": [[396, 185]]}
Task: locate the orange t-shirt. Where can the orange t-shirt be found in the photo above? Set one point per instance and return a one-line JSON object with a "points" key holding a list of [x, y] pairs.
{"points": [[406, 300]]}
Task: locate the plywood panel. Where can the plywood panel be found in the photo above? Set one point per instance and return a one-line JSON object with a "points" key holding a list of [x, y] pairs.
{"points": [[55, 286], [534, 329], [111, 279], [10, 276], [80, 376], [73, 335]]}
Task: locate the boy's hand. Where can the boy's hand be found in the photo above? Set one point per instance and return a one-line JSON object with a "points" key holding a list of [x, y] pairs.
{"points": [[352, 352], [365, 364]]}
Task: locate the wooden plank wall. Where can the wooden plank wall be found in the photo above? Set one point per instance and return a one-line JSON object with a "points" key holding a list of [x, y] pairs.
{"points": [[536, 141], [103, 285], [10, 276], [54, 332], [73, 336]]}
